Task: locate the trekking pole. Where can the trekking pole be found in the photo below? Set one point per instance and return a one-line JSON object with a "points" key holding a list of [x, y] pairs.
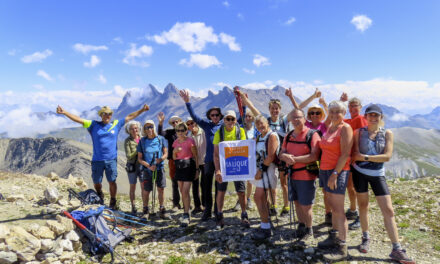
{"points": [[290, 196], [270, 189], [154, 185]]}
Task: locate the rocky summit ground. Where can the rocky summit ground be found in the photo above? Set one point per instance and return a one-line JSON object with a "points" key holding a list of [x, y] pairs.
{"points": [[32, 231]]}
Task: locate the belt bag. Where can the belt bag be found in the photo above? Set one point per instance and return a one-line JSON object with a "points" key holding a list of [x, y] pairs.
{"points": [[130, 167], [312, 168], [182, 164]]}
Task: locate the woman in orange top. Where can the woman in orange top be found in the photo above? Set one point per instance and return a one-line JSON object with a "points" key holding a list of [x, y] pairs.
{"points": [[336, 146]]}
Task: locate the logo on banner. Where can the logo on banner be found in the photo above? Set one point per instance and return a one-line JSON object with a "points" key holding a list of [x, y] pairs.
{"points": [[237, 160]]}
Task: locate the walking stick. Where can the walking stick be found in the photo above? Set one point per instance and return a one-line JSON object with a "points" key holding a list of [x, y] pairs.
{"points": [[154, 185], [290, 194]]}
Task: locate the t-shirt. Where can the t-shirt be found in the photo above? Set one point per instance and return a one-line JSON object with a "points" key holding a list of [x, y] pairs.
{"points": [[186, 145], [301, 150], [331, 150], [357, 122], [229, 135], [104, 138], [151, 148], [321, 127]]}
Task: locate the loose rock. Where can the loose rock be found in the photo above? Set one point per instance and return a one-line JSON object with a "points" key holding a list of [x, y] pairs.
{"points": [[56, 227], [72, 236], [23, 243], [15, 197], [51, 194], [7, 257]]}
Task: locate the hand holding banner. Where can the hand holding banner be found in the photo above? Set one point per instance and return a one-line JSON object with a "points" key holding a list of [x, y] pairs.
{"points": [[237, 160]]}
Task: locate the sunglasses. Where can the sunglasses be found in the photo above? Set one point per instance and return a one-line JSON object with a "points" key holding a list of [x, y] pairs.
{"points": [[180, 130], [149, 127], [315, 113], [214, 115], [297, 117], [175, 121], [230, 119], [190, 123]]}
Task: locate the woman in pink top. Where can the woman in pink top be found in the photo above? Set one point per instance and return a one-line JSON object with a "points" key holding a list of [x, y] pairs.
{"points": [[336, 146], [185, 159]]}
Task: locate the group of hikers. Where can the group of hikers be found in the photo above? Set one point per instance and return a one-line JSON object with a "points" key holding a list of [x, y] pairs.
{"points": [[297, 148]]}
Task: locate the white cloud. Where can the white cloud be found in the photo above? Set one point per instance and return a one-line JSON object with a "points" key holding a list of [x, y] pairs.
{"points": [[44, 75], [102, 79], [117, 40], [240, 16], [85, 48], [94, 61], [222, 84], [361, 22], [290, 21], [260, 60], [202, 61], [258, 85], [399, 117], [191, 37], [37, 56], [226, 3], [248, 71], [133, 55], [230, 41]]}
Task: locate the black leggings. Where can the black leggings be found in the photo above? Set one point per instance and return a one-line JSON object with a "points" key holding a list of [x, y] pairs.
{"points": [[361, 181]]}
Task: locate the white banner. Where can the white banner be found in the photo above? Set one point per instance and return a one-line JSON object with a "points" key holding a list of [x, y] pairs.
{"points": [[237, 160]]}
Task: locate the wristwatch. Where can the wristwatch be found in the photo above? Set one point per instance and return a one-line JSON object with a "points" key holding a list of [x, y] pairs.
{"points": [[365, 157], [335, 172]]}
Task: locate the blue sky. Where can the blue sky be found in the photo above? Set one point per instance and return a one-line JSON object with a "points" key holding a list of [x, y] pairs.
{"points": [[392, 49]]}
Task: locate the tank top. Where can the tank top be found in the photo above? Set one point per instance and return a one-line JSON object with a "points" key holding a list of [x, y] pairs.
{"points": [[369, 146], [331, 150], [260, 147]]}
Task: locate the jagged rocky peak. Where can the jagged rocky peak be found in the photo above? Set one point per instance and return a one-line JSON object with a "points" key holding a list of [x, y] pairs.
{"points": [[278, 88], [170, 88]]}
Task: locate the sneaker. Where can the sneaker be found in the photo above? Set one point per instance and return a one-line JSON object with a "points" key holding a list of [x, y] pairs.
{"points": [[184, 220], [328, 219], [400, 256], [365, 245], [220, 222], [196, 211], [101, 195], [261, 234], [236, 206], [245, 220], [338, 253], [351, 215], [307, 240], [112, 204], [145, 213], [285, 211], [249, 205], [301, 230], [329, 242], [273, 210], [206, 215], [163, 214], [355, 225], [133, 210]]}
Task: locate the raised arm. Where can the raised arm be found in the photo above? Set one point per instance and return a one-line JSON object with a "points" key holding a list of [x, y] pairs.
{"points": [[71, 116], [249, 104], [306, 102], [136, 113], [161, 118], [185, 96], [289, 94], [327, 121]]}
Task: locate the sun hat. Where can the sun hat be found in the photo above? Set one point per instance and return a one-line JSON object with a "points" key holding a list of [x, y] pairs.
{"points": [[144, 132], [230, 113], [317, 107], [173, 118], [105, 109]]}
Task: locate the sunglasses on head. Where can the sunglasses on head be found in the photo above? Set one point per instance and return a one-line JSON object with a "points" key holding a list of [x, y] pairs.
{"points": [[229, 119], [314, 113], [275, 100], [180, 130]]}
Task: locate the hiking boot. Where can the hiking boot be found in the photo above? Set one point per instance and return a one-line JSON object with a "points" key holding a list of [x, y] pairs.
{"points": [[400, 256], [355, 225], [236, 206], [351, 215], [196, 211], [101, 195], [133, 210], [112, 204], [245, 220], [365, 245], [328, 219], [273, 210], [206, 215], [184, 220], [220, 222], [261, 234], [329, 242], [145, 213], [285, 211], [249, 205], [338, 253], [301, 230], [163, 214], [308, 239]]}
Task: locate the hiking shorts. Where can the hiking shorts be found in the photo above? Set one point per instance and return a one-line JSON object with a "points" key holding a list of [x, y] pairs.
{"points": [[135, 175], [147, 177], [240, 186], [341, 182], [302, 191], [109, 166], [378, 183]]}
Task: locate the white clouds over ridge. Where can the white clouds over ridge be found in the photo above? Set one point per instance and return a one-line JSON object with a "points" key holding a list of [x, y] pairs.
{"points": [[134, 55], [202, 61], [361, 22], [37, 56]]}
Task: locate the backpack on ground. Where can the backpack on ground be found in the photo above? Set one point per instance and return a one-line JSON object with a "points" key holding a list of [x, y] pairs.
{"points": [[86, 197], [312, 167]]}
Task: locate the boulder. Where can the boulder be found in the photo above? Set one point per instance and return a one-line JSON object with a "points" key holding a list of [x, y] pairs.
{"points": [[41, 232], [66, 245], [51, 194], [47, 245], [23, 243], [7, 257], [56, 227], [15, 197], [67, 256], [53, 176], [66, 222], [72, 236], [62, 202]]}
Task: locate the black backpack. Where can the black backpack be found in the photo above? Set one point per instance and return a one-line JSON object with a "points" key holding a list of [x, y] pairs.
{"points": [[312, 167], [237, 132]]}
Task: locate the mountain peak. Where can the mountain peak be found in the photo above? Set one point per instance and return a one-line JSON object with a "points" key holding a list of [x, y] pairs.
{"points": [[170, 88]]}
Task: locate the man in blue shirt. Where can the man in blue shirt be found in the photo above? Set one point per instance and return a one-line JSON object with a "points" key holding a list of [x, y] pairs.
{"points": [[105, 151]]}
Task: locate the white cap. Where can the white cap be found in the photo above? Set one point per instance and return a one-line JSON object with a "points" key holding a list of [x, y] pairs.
{"points": [[230, 113]]}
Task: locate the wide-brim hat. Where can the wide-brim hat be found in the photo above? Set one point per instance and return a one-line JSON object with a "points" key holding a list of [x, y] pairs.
{"points": [[105, 109], [173, 118], [317, 107]]}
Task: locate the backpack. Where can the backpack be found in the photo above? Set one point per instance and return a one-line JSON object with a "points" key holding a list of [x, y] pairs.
{"points": [[312, 167], [161, 144], [280, 121], [237, 132], [266, 145], [86, 197]]}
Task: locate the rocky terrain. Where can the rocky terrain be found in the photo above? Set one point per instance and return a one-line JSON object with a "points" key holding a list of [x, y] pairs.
{"points": [[32, 231]]}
